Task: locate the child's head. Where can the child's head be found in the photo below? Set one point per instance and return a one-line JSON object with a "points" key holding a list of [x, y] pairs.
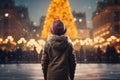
{"points": [[58, 28]]}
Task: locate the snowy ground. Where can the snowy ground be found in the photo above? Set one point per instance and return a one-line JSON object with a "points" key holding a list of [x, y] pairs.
{"points": [[83, 72]]}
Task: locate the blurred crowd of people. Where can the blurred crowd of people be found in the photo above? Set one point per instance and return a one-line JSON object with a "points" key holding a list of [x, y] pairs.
{"points": [[86, 54], [91, 55], [19, 56]]}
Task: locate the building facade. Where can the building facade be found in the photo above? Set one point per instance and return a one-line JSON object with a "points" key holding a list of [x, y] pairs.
{"points": [[14, 20], [106, 23], [80, 21]]}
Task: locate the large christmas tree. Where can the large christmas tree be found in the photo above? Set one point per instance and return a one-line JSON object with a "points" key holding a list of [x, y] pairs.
{"points": [[60, 9]]}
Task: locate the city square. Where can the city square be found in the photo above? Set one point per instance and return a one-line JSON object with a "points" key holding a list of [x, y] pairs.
{"points": [[92, 27], [83, 72]]}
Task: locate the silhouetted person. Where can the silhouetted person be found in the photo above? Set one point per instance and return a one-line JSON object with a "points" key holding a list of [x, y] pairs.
{"points": [[114, 55], [58, 61], [82, 53], [18, 54], [1, 55], [108, 53], [99, 54]]}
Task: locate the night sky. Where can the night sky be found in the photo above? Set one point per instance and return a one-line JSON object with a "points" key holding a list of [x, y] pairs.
{"points": [[37, 8]]}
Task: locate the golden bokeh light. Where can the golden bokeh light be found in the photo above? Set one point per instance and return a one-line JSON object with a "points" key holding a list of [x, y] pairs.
{"points": [[60, 9]]}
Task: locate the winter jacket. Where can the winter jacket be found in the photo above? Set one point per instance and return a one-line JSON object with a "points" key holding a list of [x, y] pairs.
{"points": [[58, 61]]}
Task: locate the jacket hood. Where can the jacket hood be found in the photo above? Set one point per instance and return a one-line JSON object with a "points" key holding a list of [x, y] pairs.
{"points": [[58, 42]]}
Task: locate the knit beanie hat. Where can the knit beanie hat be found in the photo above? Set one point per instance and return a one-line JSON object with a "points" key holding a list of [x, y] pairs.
{"points": [[58, 28]]}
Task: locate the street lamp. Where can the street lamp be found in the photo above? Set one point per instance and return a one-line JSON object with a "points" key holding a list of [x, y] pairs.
{"points": [[34, 23], [80, 20], [6, 14], [75, 19]]}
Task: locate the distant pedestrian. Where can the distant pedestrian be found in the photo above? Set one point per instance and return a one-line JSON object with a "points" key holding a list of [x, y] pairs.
{"points": [[58, 60]]}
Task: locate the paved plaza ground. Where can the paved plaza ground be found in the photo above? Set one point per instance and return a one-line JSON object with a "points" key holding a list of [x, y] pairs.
{"points": [[83, 72]]}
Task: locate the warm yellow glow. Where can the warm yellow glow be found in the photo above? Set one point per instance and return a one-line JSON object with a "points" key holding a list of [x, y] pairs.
{"points": [[106, 43], [60, 9], [33, 44], [13, 43], [5, 41], [1, 39], [101, 40], [38, 45], [82, 42], [75, 42], [96, 39], [109, 39], [10, 38], [6, 14], [113, 37], [117, 40], [88, 41], [75, 19], [100, 46], [22, 40], [107, 32], [34, 23], [118, 51], [41, 43], [80, 20], [96, 46], [37, 35]]}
